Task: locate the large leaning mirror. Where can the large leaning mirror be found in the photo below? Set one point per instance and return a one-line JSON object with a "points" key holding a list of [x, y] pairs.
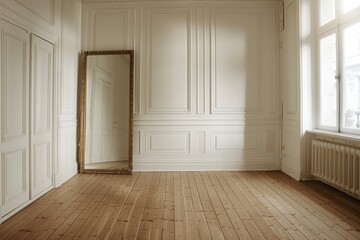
{"points": [[105, 112]]}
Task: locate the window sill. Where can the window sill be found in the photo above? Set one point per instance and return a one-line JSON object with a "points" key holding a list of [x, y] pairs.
{"points": [[342, 138]]}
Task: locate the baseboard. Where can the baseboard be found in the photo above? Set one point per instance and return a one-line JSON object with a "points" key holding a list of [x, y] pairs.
{"points": [[205, 166], [18, 209], [306, 176], [65, 174], [291, 171]]}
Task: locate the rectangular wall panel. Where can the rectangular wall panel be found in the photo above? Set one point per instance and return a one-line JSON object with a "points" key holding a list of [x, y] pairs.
{"points": [[235, 141], [168, 142], [104, 26], [168, 62], [44, 9], [289, 63], [66, 91], [235, 61], [69, 60], [201, 142]]}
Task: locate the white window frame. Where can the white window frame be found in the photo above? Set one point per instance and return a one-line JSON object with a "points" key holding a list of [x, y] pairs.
{"points": [[320, 37], [342, 27], [337, 26]]}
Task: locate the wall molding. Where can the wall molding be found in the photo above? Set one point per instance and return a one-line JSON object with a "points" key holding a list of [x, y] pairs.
{"points": [[28, 16], [289, 170], [231, 50], [167, 142], [51, 17], [150, 65]]}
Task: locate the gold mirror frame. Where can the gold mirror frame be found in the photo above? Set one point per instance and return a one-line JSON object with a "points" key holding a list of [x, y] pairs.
{"points": [[82, 112]]}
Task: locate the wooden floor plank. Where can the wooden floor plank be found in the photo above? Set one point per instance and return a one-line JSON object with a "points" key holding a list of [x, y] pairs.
{"points": [[225, 223], [188, 205], [181, 230], [103, 210], [239, 208], [118, 231], [149, 209], [191, 224], [137, 214], [211, 218], [158, 220], [203, 228], [168, 231], [229, 207]]}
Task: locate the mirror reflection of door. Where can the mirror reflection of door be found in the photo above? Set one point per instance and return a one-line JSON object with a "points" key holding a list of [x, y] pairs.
{"points": [[107, 112]]}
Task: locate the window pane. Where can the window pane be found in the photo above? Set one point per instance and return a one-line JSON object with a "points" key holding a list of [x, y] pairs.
{"points": [[328, 83], [327, 11], [349, 5], [351, 55]]}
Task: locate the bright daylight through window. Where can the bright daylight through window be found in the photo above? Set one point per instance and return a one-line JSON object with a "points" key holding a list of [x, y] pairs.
{"points": [[339, 65]]}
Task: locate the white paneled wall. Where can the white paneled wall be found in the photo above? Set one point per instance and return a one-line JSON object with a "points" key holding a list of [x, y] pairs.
{"points": [[207, 88], [67, 92]]}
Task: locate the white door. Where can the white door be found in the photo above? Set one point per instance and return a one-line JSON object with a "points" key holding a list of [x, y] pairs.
{"points": [[289, 56], [14, 128], [41, 126]]}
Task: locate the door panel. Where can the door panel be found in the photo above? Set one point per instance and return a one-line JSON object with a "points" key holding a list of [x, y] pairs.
{"points": [[107, 121], [41, 115], [96, 143], [14, 129], [289, 56]]}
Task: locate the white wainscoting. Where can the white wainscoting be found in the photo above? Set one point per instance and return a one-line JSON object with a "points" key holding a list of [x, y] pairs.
{"points": [[66, 165], [204, 147], [207, 88]]}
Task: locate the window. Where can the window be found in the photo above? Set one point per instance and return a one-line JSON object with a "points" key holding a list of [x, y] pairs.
{"points": [[339, 65]]}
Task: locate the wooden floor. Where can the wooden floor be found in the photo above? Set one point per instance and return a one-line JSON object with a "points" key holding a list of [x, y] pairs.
{"points": [[188, 205]]}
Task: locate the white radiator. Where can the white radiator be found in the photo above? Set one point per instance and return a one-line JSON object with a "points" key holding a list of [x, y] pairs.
{"points": [[337, 165]]}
